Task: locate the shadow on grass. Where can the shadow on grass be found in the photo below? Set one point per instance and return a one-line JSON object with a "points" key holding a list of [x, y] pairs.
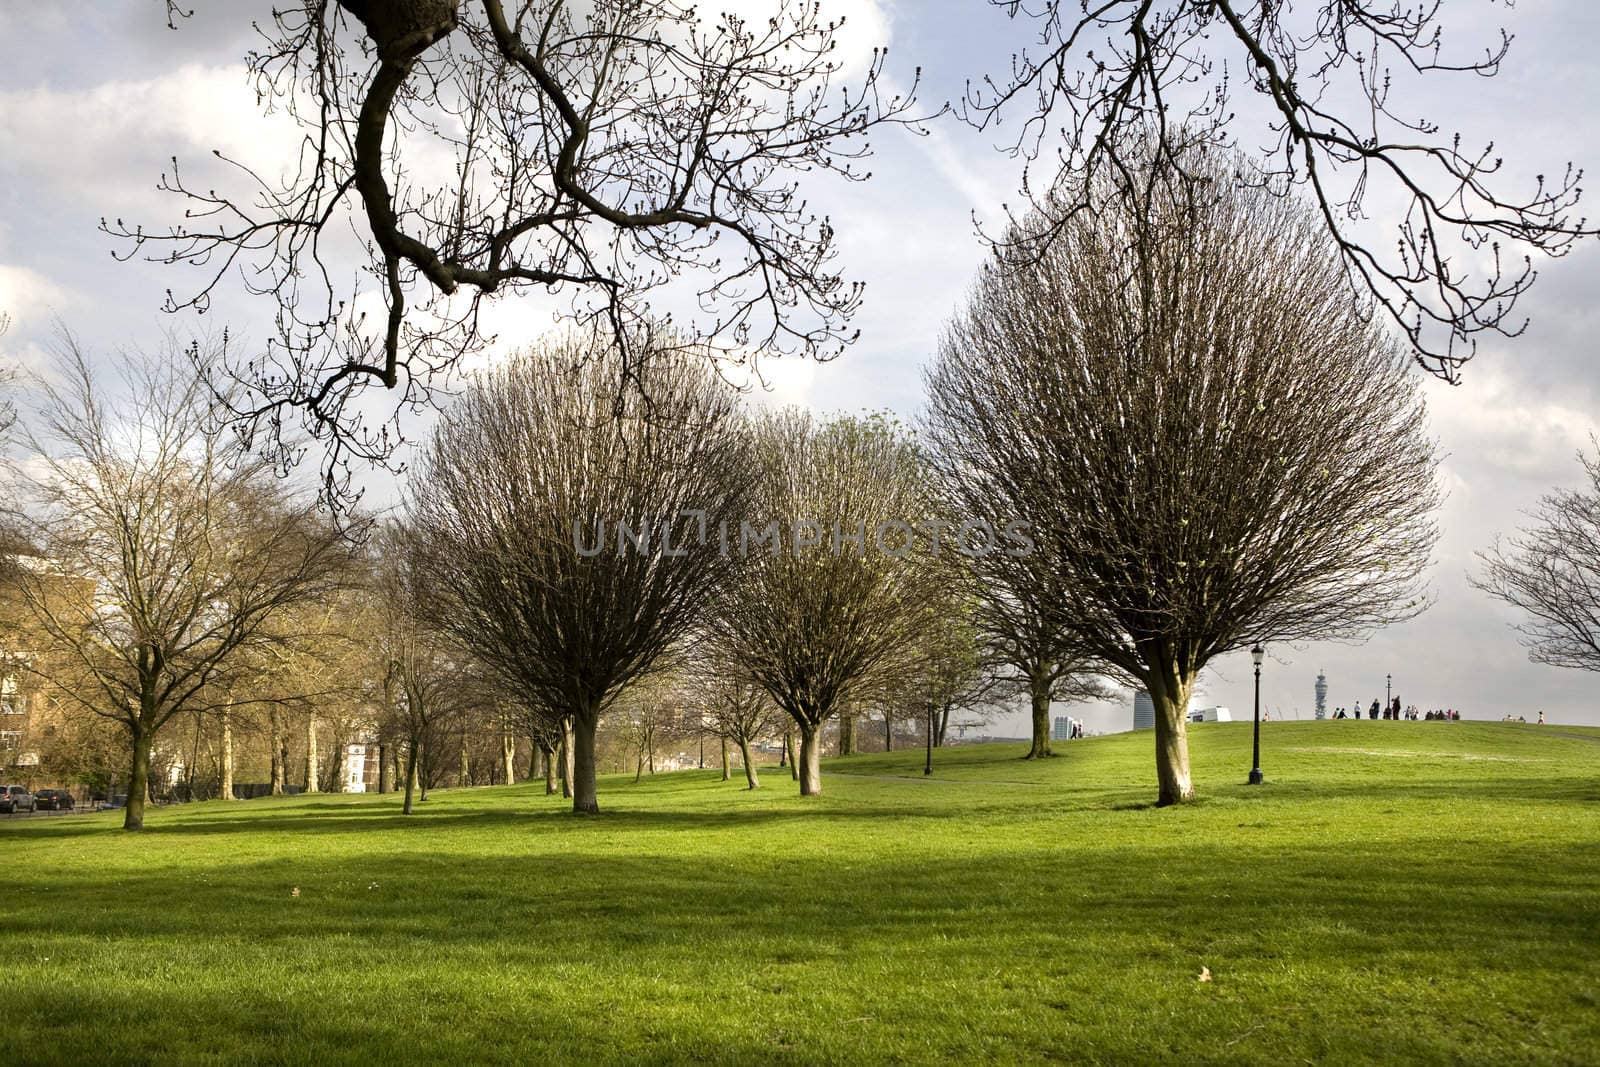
{"points": [[583, 925]]}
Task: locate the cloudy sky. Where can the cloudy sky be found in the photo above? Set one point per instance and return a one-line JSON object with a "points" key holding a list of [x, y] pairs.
{"points": [[94, 99]]}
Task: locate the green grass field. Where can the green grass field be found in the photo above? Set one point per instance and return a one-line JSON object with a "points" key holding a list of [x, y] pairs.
{"points": [[1423, 892]]}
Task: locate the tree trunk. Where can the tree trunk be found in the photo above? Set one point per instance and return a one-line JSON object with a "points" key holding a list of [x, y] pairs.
{"points": [[783, 752], [788, 750], [927, 762], [508, 749], [465, 777], [1039, 694], [384, 785], [726, 774], [138, 782], [550, 787], [311, 754], [1170, 695], [279, 756], [422, 771], [411, 776], [943, 719], [341, 765], [888, 734], [194, 757], [847, 734], [566, 757], [810, 759], [227, 756], [584, 801], [749, 764]]}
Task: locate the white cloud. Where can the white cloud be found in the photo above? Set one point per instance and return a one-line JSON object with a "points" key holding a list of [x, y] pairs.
{"points": [[124, 133], [27, 296]]}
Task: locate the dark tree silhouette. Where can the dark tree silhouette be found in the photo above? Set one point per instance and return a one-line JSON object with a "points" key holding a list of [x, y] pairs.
{"points": [[1328, 83], [621, 152]]}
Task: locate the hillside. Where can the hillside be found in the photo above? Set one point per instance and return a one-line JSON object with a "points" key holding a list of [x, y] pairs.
{"points": [[1417, 890]]}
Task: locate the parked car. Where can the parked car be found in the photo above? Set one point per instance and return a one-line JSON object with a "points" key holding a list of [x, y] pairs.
{"points": [[14, 798], [54, 800]]}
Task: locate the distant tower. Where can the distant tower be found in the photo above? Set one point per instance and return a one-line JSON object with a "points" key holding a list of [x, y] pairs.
{"points": [[1322, 695]]}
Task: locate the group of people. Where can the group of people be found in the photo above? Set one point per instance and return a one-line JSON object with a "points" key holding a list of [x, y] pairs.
{"points": [[1519, 718], [1396, 712], [1378, 711]]}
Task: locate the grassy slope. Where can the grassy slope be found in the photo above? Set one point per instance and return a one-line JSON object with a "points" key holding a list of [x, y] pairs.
{"points": [[1423, 891]]}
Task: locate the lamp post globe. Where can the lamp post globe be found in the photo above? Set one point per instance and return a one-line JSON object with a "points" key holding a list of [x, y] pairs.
{"points": [[1257, 654]]}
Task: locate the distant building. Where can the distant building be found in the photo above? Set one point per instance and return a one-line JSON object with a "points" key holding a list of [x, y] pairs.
{"points": [[1321, 690], [355, 768], [1216, 714], [1061, 728], [1144, 710]]}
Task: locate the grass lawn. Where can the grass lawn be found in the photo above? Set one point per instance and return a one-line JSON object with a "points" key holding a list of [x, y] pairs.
{"points": [[1424, 892]]}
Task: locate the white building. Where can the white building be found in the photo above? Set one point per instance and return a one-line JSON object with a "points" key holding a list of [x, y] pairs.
{"points": [[355, 769], [1144, 710]]}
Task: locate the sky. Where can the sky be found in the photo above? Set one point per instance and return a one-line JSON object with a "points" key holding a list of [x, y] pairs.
{"points": [[95, 99]]}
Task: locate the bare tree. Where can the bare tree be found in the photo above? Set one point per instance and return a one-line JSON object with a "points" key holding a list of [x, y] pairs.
{"points": [[1209, 441], [954, 676], [1008, 598], [649, 714], [834, 582], [1328, 82], [621, 151], [429, 676], [544, 730], [1033, 652], [738, 710], [316, 668], [1550, 571], [166, 549], [573, 542]]}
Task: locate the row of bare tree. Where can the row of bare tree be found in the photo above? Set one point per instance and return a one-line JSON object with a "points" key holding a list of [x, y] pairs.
{"points": [[171, 584], [583, 542], [1168, 431]]}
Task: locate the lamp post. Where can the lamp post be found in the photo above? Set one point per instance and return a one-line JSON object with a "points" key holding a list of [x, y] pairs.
{"points": [[1388, 692], [1257, 654]]}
